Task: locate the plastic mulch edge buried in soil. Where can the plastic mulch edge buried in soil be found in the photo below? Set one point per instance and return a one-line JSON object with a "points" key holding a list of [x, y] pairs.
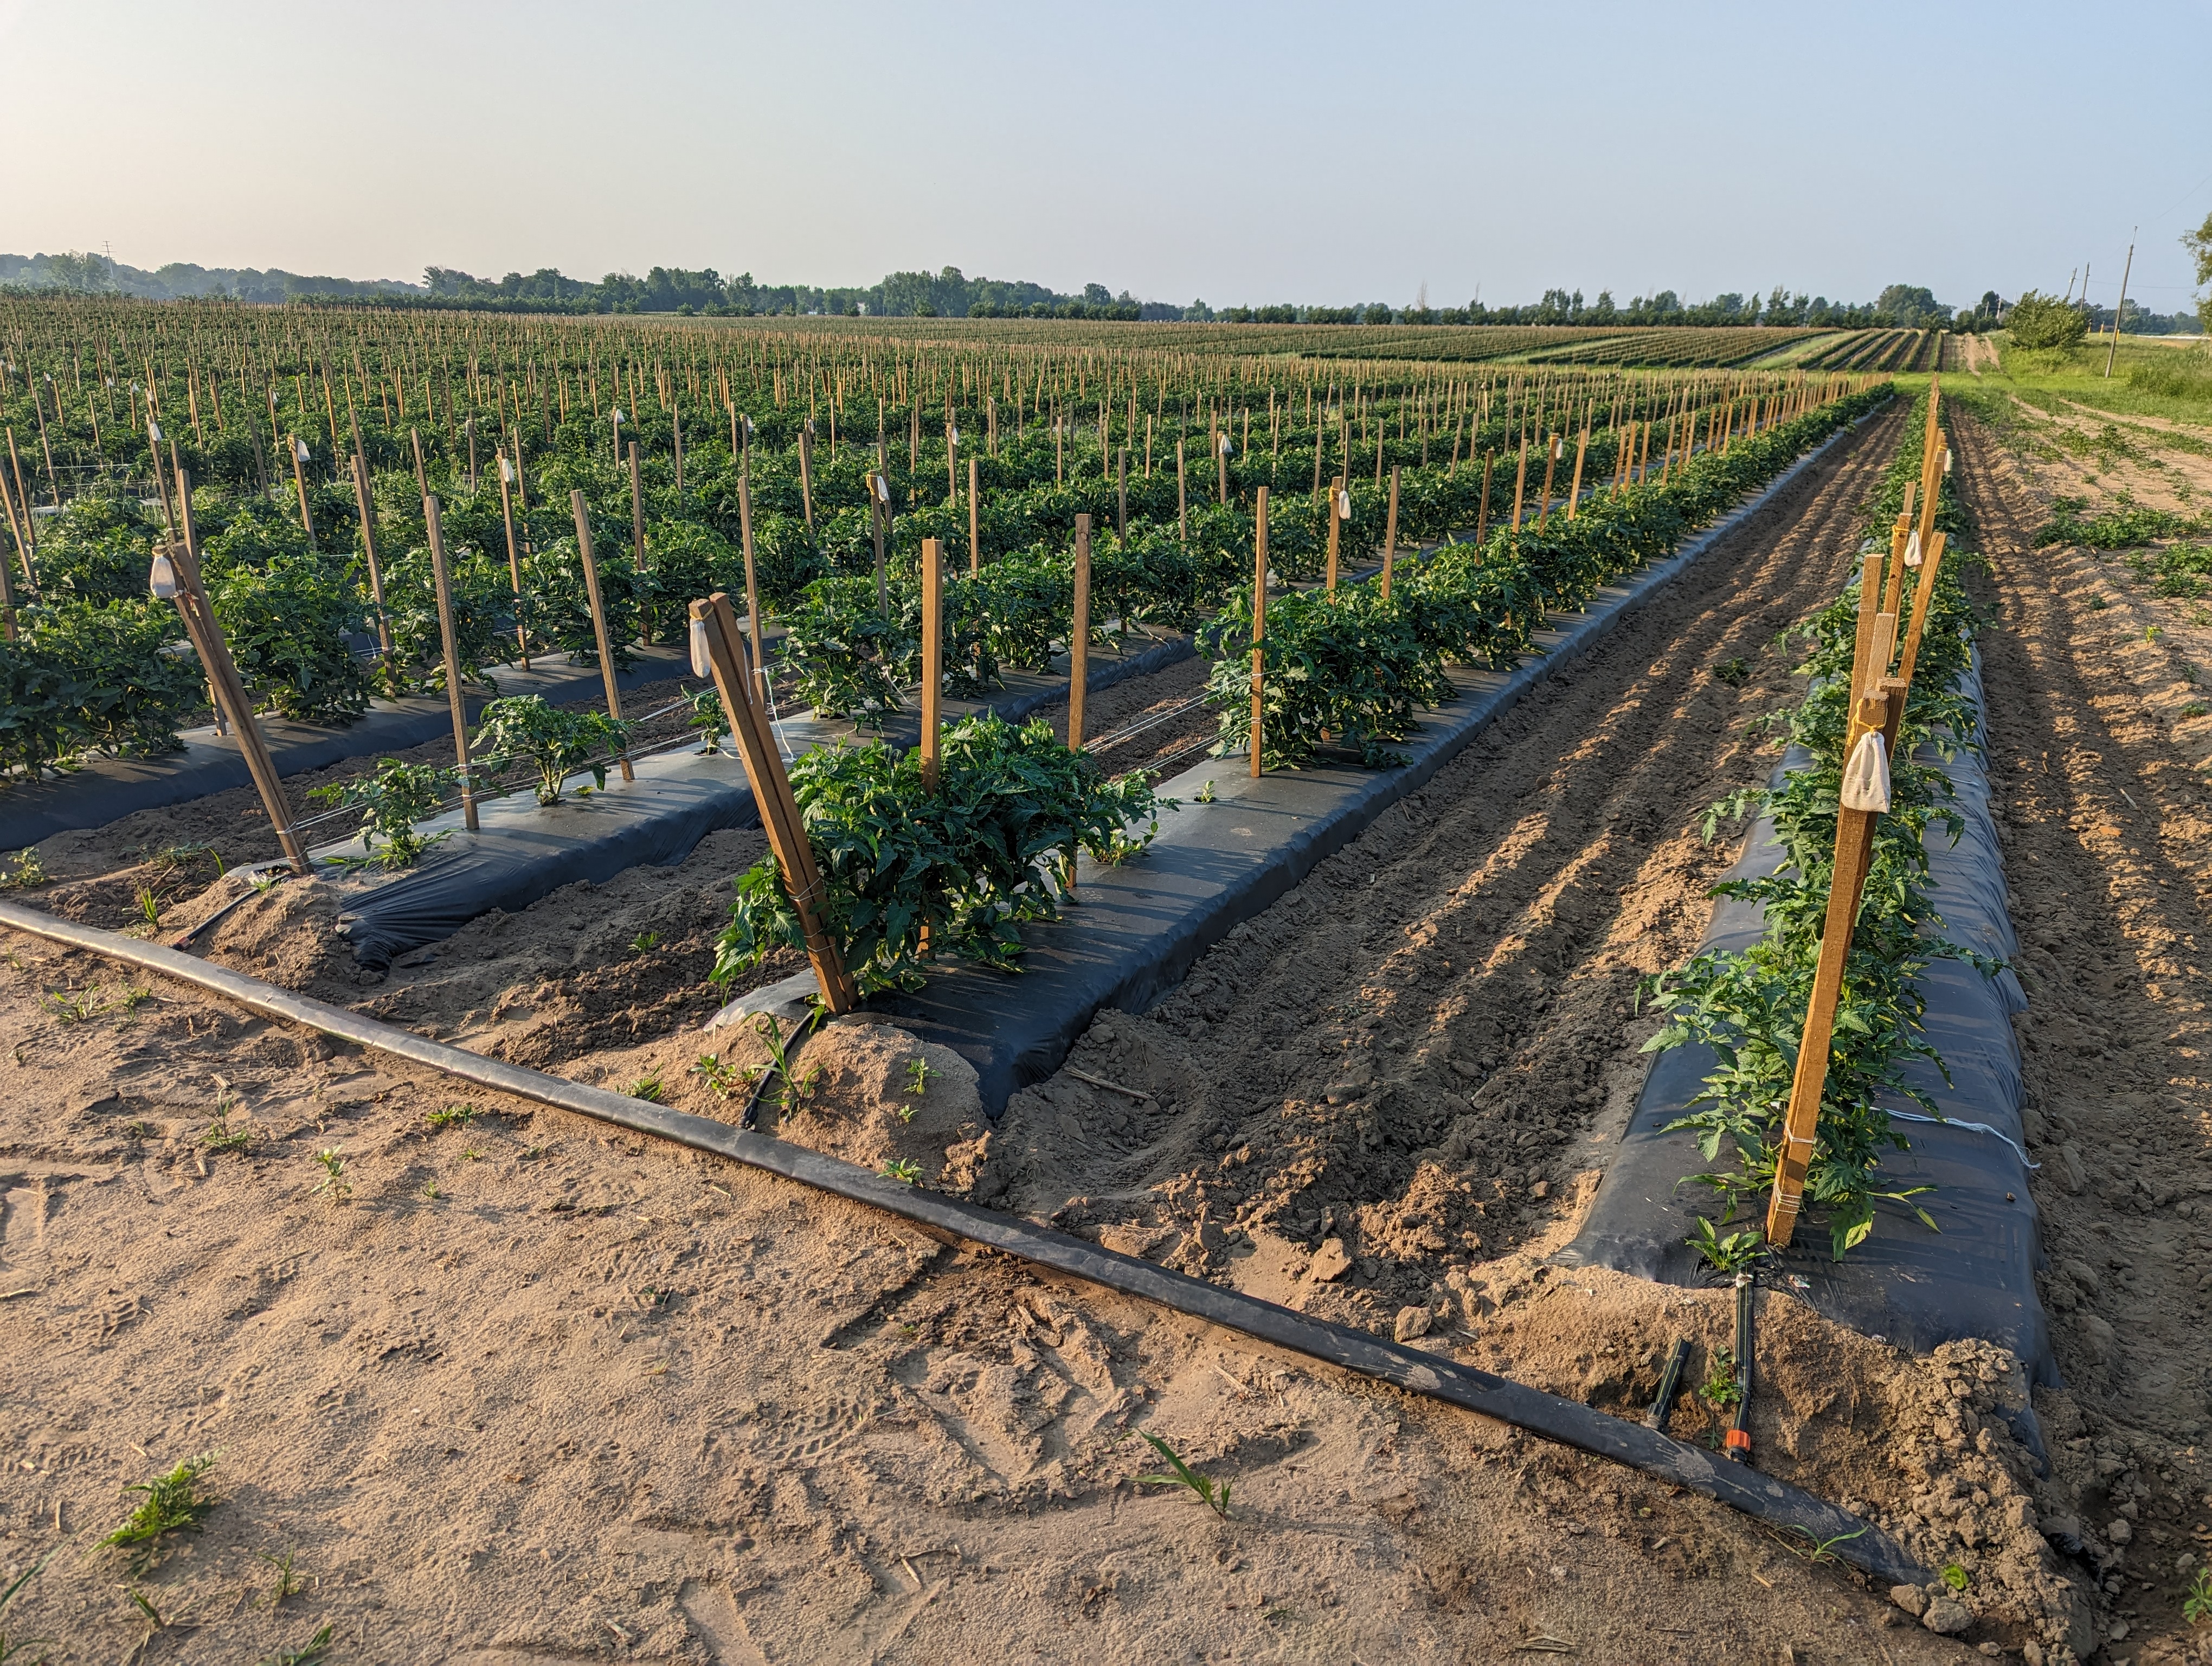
{"points": [[1914, 1288], [1139, 927], [524, 851]]}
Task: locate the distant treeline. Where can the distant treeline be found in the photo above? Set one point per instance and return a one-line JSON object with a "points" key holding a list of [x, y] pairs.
{"points": [[951, 293]]}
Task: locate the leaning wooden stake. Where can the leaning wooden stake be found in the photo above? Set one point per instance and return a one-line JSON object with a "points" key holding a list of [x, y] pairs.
{"points": [[200, 624], [454, 699], [586, 555], [1260, 621], [772, 793], [1078, 634], [933, 651], [300, 483]]}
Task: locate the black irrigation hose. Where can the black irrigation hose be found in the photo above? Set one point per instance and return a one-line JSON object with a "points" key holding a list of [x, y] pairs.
{"points": [[1822, 1527]]}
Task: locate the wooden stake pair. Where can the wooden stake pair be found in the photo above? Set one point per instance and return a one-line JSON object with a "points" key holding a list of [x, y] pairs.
{"points": [[1878, 702], [771, 788], [1078, 635]]}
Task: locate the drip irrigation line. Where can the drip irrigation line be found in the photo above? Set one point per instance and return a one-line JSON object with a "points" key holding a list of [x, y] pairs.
{"points": [[1827, 1530]]}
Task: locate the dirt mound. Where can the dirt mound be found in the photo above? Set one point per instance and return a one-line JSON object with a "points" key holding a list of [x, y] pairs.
{"points": [[286, 935]]}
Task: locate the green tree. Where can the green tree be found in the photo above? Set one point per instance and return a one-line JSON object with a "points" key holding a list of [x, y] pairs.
{"points": [[2199, 245], [2041, 321]]}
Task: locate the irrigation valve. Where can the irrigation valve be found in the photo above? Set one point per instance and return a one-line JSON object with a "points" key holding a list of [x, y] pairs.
{"points": [[1912, 551], [701, 665], [163, 580], [1866, 777]]}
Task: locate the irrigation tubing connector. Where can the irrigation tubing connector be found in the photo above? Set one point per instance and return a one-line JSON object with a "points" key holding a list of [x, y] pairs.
{"points": [[1670, 1381], [1738, 1440], [1790, 1510]]}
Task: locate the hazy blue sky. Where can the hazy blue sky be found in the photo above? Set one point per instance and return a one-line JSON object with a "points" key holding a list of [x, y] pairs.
{"points": [[1239, 153]]}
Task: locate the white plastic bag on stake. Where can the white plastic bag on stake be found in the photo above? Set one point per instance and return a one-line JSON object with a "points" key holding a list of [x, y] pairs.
{"points": [[1866, 775]]}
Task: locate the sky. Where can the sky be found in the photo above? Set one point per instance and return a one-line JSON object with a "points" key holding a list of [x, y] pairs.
{"points": [[1237, 153]]}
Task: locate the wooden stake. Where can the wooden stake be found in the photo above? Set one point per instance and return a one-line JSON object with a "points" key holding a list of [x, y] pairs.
{"points": [[300, 483], [752, 584], [1482, 518], [514, 559], [880, 503], [932, 649], [202, 626], [1575, 491], [1551, 462], [1520, 481], [637, 539], [454, 699], [1931, 557], [1259, 624], [772, 793], [1335, 521], [1078, 634], [806, 471], [1182, 498], [1390, 534], [974, 518], [1122, 496], [366, 504], [590, 560]]}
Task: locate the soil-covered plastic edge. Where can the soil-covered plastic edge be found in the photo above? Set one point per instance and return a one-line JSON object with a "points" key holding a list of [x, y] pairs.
{"points": [[1825, 1528]]}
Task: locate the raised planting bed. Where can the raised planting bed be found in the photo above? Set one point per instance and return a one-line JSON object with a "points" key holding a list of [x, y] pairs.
{"points": [[1975, 1275], [107, 789], [523, 850]]}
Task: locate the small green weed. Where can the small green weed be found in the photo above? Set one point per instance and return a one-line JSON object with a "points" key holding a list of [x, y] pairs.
{"points": [[333, 1182], [306, 1654], [287, 1581], [395, 796], [1720, 1391], [2196, 1604], [74, 1006], [1214, 1493], [1204, 795], [2195, 708], [2152, 632], [918, 1073], [1734, 672], [150, 906], [221, 1137], [1727, 1253], [902, 1168], [28, 871], [726, 1078], [430, 1192], [645, 943], [140, 1601], [647, 1088], [2098, 604], [174, 1504], [11, 1647], [1954, 1575], [452, 1116], [796, 1087]]}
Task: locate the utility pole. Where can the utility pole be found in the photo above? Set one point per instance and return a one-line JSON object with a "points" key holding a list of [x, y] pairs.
{"points": [[2121, 311]]}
